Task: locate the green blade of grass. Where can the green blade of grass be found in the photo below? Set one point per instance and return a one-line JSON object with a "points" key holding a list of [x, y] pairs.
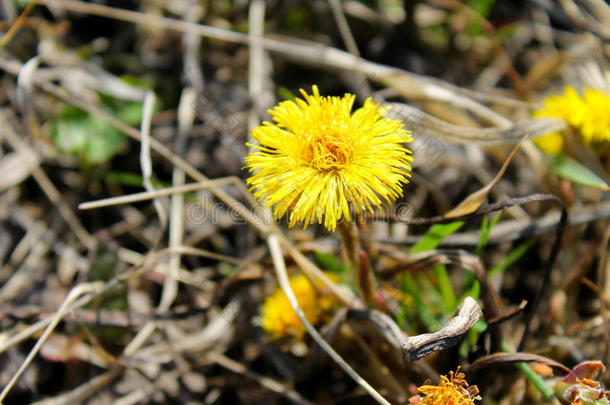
{"points": [[429, 241], [423, 311], [471, 286], [486, 228], [472, 337], [435, 235], [532, 377], [511, 258], [446, 289]]}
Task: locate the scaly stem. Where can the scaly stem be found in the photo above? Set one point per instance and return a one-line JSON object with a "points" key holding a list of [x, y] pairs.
{"points": [[358, 262]]}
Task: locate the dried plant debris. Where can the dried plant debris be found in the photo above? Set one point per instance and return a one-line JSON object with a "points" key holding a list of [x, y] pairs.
{"points": [[227, 202], [417, 347]]}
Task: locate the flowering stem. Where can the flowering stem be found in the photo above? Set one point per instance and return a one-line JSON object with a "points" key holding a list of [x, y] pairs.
{"points": [[351, 245], [358, 262]]}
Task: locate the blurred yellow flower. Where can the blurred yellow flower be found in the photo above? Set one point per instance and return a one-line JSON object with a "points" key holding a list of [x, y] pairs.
{"points": [[280, 320], [450, 391], [587, 114], [550, 143], [318, 158]]}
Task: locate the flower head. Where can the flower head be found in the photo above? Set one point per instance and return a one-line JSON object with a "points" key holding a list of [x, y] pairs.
{"points": [[280, 320], [317, 158], [587, 114], [450, 391]]}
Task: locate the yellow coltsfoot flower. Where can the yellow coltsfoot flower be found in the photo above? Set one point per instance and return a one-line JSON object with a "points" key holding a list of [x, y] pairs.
{"points": [[587, 114], [317, 158], [279, 319]]}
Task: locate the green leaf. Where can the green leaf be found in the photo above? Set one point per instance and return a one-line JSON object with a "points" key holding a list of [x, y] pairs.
{"points": [[568, 168], [131, 113], [435, 235], [444, 296], [227, 270], [92, 139], [329, 262], [103, 142], [482, 7]]}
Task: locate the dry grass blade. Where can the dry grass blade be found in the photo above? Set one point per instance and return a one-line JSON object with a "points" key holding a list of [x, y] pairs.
{"points": [[511, 230], [25, 84], [259, 69], [472, 203], [496, 358], [603, 281], [76, 292], [85, 390], [16, 26], [150, 195], [188, 250], [186, 117], [215, 334], [266, 382], [411, 87], [382, 323], [509, 315], [184, 276], [145, 160], [425, 124], [547, 268], [16, 168]]}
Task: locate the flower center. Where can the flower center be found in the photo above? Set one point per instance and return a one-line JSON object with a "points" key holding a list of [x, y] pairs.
{"points": [[328, 151]]}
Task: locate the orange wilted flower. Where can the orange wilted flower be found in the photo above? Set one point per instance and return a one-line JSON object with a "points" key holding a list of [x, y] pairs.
{"points": [[450, 391]]}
